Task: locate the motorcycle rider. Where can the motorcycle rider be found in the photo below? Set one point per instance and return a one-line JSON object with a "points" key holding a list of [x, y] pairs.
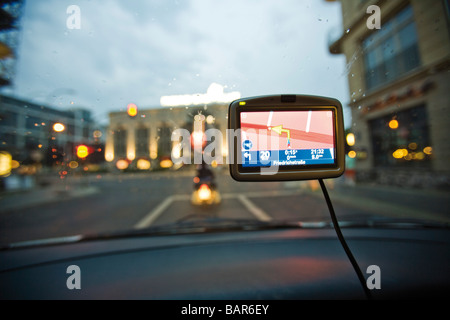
{"points": [[205, 174]]}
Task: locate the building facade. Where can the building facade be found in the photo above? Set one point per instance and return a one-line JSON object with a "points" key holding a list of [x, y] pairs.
{"points": [[163, 137], [10, 30], [27, 131], [399, 84], [147, 136]]}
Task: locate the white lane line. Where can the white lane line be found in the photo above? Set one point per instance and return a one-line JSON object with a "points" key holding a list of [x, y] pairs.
{"points": [[155, 213], [269, 121], [257, 212], [308, 123], [249, 205], [264, 194]]}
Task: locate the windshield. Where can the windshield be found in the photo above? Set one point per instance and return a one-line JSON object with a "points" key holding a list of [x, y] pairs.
{"points": [[105, 110]]}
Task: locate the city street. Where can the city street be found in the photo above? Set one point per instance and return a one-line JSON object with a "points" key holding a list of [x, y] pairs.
{"points": [[106, 202]]}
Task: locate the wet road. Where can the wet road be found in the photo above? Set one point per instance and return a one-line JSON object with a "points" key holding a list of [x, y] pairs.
{"points": [[105, 203]]}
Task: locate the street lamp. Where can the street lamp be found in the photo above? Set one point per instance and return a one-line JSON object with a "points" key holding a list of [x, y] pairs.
{"points": [[58, 127], [132, 110]]}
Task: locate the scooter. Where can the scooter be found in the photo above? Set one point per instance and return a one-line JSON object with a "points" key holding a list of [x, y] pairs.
{"points": [[205, 189]]}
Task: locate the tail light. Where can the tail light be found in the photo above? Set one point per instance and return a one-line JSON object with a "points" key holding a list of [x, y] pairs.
{"points": [[204, 192]]}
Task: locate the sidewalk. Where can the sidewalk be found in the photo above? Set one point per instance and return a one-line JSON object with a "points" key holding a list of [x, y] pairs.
{"points": [[38, 195], [394, 201], [54, 189]]}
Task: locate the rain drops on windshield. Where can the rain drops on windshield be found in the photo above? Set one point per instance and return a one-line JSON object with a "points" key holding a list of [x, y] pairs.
{"points": [[115, 117]]}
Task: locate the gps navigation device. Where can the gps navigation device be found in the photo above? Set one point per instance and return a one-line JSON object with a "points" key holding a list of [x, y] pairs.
{"points": [[286, 137]]}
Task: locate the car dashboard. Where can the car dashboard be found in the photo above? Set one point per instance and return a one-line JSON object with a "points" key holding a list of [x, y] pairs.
{"points": [[281, 264]]}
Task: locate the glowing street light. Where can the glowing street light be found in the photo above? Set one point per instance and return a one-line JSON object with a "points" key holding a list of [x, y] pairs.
{"points": [[132, 110], [122, 164], [5, 163], [393, 124], [351, 139], [58, 127]]}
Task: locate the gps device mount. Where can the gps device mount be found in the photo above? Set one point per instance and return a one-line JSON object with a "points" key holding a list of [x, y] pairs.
{"points": [[289, 137]]}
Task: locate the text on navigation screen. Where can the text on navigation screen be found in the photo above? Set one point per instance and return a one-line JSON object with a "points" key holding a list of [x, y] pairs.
{"points": [[286, 138]]}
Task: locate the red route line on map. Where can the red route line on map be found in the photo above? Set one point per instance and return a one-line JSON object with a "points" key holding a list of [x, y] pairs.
{"points": [[296, 134]]}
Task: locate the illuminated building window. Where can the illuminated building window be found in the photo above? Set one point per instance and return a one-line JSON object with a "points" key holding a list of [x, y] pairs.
{"points": [[391, 51], [404, 145]]}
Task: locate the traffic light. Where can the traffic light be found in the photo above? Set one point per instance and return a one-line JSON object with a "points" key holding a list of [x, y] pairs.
{"points": [[82, 151], [132, 110], [198, 139], [349, 145], [350, 138]]}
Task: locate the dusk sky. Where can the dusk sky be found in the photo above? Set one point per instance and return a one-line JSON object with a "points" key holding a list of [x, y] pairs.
{"points": [[138, 51]]}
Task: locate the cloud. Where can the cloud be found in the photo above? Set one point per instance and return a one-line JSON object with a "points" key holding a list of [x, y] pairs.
{"points": [[141, 50]]}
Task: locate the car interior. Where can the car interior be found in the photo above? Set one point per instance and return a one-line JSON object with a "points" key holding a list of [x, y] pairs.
{"points": [[250, 262], [225, 158]]}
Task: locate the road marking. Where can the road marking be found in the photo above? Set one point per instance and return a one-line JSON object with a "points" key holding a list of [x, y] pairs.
{"points": [[257, 212], [248, 204], [155, 213], [263, 194], [308, 123], [270, 119]]}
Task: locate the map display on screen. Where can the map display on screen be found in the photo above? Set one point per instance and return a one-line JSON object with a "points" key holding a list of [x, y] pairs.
{"points": [[287, 138]]}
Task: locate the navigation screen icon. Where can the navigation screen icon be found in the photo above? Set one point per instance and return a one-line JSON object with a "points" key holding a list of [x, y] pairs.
{"points": [[247, 144]]}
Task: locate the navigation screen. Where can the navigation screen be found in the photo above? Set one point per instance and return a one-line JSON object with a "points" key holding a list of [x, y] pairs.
{"points": [[287, 138]]}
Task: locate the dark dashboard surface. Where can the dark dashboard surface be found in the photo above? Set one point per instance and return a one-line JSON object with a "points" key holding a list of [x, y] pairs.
{"points": [[270, 264]]}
